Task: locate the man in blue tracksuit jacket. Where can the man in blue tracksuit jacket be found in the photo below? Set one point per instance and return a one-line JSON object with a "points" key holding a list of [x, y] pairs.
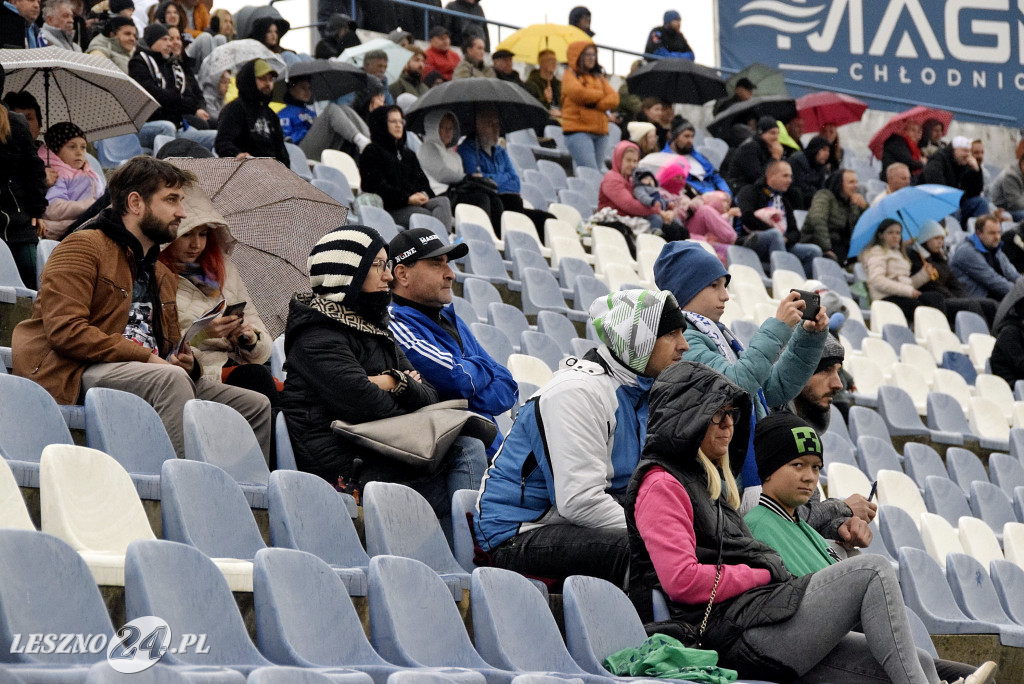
{"points": [[436, 341]]}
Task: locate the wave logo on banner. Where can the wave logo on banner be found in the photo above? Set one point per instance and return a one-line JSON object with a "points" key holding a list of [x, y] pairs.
{"points": [[786, 19]]}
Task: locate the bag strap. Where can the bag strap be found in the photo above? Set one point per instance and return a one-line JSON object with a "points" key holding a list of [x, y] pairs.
{"points": [[718, 573]]}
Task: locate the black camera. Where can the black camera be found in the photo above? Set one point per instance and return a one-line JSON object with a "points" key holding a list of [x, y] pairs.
{"points": [[813, 302]]}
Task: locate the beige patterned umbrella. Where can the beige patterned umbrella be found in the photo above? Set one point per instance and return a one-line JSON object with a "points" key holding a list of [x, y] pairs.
{"points": [[276, 217]]}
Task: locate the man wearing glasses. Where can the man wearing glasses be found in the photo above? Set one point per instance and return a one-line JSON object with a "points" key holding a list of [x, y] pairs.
{"points": [[436, 341]]}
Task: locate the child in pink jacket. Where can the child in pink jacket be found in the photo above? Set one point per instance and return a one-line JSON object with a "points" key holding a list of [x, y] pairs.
{"points": [[77, 186]]}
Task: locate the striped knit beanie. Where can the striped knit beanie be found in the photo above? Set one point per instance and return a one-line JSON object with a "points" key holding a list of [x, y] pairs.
{"points": [[628, 322], [340, 260]]}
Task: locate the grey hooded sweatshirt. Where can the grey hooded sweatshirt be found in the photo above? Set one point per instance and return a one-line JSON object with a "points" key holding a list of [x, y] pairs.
{"points": [[440, 162]]}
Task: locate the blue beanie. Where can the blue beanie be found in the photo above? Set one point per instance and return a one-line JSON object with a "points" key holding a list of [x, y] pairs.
{"points": [[672, 15], [685, 268]]}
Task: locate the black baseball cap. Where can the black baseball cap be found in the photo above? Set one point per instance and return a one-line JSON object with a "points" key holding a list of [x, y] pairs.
{"points": [[420, 243]]}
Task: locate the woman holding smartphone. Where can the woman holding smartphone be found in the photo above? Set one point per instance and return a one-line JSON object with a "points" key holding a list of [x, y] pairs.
{"points": [[233, 347]]}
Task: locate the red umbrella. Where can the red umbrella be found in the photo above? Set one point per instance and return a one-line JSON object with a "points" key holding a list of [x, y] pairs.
{"points": [[818, 109], [919, 114]]}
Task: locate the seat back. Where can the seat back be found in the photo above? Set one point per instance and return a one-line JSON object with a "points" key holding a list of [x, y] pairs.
{"points": [[123, 425], [978, 540], [899, 490], [845, 480], [735, 254], [920, 461], [339, 193], [837, 424], [898, 411], [883, 312], [926, 319], [922, 639], [940, 538], [29, 420], [344, 163], [399, 522], [945, 413], [218, 434], [13, 510], [558, 327], [464, 310], [89, 501], [898, 529], [587, 290], [297, 161], [494, 341], [509, 320], [973, 590], [184, 587], [544, 347], [304, 614], [413, 620], [554, 172], [307, 514], [960, 363], [1006, 472], [1013, 541], [480, 294], [46, 588], [989, 503], [599, 620], [919, 358], [484, 260], [964, 468], [855, 331], [877, 454], [43, 251], [289, 675], [379, 220], [283, 444], [513, 628], [203, 507], [463, 503], [867, 422], [523, 259], [944, 497], [897, 336], [525, 368], [431, 223], [470, 213], [1008, 580], [540, 290], [837, 450], [968, 323]]}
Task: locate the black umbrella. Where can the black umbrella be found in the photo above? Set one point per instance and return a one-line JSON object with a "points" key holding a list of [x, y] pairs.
{"points": [[677, 80], [516, 108], [329, 80], [1009, 303], [779, 107]]}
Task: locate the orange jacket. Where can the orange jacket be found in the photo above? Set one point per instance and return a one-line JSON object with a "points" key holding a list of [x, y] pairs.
{"points": [[585, 97], [200, 20]]}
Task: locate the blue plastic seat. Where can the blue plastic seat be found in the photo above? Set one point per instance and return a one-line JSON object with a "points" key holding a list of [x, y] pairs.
{"points": [[523, 259], [554, 173], [920, 461], [44, 248], [429, 222], [967, 323], [571, 268], [824, 266], [922, 639], [202, 506], [277, 358], [854, 331], [838, 450], [584, 187], [513, 628], [113, 151], [1006, 472], [510, 321], [285, 675], [735, 254], [975, 594], [991, 504], [898, 530], [543, 347], [336, 192], [218, 434], [580, 346], [1008, 579], [964, 468], [542, 293], [961, 363], [837, 424], [1017, 443], [744, 331], [876, 454], [897, 335], [836, 284], [480, 294], [866, 421], [414, 622], [304, 617], [901, 418], [283, 444], [484, 261], [522, 157], [29, 420], [125, 427], [786, 261], [539, 181], [474, 231], [946, 415], [517, 239], [534, 194], [586, 290], [559, 328], [307, 514], [297, 162], [595, 176], [944, 497], [103, 673], [464, 310], [379, 220], [926, 592], [494, 341], [599, 620], [577, 201], [1018, 390], [398, 521], [463, 503], [1018, 502], [10, 277]]}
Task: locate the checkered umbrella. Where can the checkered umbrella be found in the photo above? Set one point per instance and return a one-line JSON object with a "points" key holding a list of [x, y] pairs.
{"points": [[276, 218], [87, 90]]}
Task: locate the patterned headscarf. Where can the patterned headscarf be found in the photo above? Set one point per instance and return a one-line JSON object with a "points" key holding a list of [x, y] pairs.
{"points": [[341, 259], [628, 322], [58, 135]]}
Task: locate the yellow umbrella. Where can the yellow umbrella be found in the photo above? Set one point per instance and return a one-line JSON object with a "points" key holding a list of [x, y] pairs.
{"points": [[527, 42]]}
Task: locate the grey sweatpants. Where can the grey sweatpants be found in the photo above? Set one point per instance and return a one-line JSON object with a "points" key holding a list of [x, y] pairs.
{"points": [[166, 388], [861, 593], [331, 128]]}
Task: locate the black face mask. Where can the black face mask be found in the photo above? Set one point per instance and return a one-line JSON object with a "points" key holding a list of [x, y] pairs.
{"points": [[373, 307]]}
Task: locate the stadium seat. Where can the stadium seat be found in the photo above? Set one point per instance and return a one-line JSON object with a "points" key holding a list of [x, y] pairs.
{"points": [[559, 328], [897, 336], [513, 628], [464, 310], [1017, 443], [44, 248], [612, 244], [593, 175], [201, 506], [9, 276], [945, 414], [529, 369], [979, 349], [467, 230], [785, 261], [898, 529], [822, 266], [883, 312], [874, 454], [944, 497], [1008, 580], [996, 389], [964, 468], [920, 461], [431, 223], [522, 158], [277, 357], [494, 341], [845, 480], [578, 201], [305, 618], [283, 445], [868, 377], [976, 596], [306, 513], [922, 639], [414, 623], [837, 424], [866, 422], [587, 290], [523, 259], [218, 434], [399, 522], [987, 420], [522, 239], [580, 346], [13, 509], [1013, 543], [967, 323], [89, 501], [920, 359], [463, 503], [480, 294], [960, 363], [29, 421], [1006, 472], [940, 538], [125, 427], [856, 332], [544, 347], [340, 180], [470, 213], [564, 249], [989, 503], [297, 162], [881, 352], [927, 319], [379, 220], [735, 254], [103, 673], [896, 489], [978, 540], [112, 152], [509, 320], [566, 213], [619, 276], [542, 293], [484, 261], [286, 675], [784, 280], [902, 419], [837, 450], [344, 163], [599, 620]]}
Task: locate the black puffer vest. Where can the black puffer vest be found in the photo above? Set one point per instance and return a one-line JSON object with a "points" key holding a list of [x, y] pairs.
{"points": [[683, 399]]}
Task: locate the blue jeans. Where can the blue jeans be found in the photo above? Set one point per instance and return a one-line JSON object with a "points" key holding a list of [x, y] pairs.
{"points": [[151, 129], [206, 138], [468, 461], [972, 207], [588, 149]]}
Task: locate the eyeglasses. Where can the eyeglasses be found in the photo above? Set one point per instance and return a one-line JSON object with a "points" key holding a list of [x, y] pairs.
{"points": [[720, 414], [381, 265]]}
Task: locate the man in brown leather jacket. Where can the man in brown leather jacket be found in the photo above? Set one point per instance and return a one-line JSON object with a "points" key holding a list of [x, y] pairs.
{"points": [[106, 316]]}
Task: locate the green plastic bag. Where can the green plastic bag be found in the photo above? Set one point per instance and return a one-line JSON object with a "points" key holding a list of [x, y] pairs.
{"points": [[666, 658]]}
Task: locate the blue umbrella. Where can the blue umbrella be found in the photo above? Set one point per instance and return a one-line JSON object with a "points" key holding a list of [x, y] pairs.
{"points": [[911, 206]]}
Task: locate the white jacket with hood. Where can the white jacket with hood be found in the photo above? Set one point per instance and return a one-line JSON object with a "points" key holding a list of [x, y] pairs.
{"points": [[440, 162]]}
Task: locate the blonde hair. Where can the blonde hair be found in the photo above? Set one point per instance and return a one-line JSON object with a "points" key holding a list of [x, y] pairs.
{"points": [[732, 492], [5, 125]]}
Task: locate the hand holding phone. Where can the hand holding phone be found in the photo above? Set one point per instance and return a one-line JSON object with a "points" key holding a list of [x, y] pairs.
{"points": [[813, 302]]}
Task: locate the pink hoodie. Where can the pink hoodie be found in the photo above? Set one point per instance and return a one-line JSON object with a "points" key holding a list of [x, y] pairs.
{"points": [[617, 191], [73, 193]]}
